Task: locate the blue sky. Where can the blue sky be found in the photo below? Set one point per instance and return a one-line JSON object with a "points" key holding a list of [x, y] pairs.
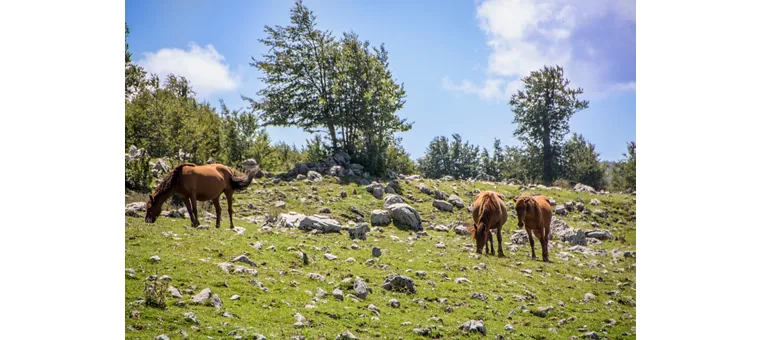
{"points": [[459, 60]]}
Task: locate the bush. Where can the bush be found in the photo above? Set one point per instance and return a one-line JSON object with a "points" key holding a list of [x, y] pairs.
{"points": [[138, 174]]}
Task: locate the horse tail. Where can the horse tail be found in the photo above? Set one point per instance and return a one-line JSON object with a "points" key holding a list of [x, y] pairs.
{"points": [[241, 182]]}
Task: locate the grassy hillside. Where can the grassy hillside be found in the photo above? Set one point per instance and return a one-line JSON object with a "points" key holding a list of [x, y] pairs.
{"points": [[502, 291]]}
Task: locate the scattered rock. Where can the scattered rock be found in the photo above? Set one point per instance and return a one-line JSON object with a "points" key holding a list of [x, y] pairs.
{"points": [[246, 260], [394, 303], [462, 280], [474, 326], [602, 235], [406, 216], [325, 210], [330, 257], [560, 210], [562, 231], [235, 297], [155, 258], [314, 176], [443, 205], [456, 201], [399, 283], [588, 297], [361, 288], [391, 199], [174, 292], [315, 276], [594, 201], [359, 232], [279, 204], [321, 223], [201, 297], [376, 252], [216, 301], [346, 335], [338, 294]]}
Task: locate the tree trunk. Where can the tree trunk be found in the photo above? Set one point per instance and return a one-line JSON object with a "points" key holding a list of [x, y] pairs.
{"points": [[333, 137], [547, 148]]}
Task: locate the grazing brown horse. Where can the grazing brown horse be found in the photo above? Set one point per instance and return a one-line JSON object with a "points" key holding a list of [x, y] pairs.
{"points": [[198, 183], [489, 212], [535, 213]]}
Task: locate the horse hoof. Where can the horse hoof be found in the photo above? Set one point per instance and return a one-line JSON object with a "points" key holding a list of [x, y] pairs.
{"points": [[501, 255]]}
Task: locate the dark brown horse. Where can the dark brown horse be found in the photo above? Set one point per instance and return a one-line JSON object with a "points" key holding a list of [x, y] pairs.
{"points": [[489, 212], [535, 213], [195, 183]]}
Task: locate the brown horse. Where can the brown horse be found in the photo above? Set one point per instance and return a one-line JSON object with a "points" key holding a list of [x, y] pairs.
{"points": [[198, 183], [535, 213], [489, 212]]}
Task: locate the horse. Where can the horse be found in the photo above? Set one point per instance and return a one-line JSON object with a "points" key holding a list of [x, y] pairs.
{"points": [[195, 183], [535, 213], [488, 212]]}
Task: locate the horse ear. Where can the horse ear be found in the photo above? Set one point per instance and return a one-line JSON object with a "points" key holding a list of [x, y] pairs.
{"points": [[514, 199]]}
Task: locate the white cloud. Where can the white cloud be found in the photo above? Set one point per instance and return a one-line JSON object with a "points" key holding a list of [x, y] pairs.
{"points": [[525, 35], [204, 67]]}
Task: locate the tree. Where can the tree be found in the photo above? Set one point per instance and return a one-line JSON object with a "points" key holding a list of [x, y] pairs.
{"points": [[299, 73], [582, 163], [455, 158], [134, 75], [624, 173], [342, 87], [542, 113]]}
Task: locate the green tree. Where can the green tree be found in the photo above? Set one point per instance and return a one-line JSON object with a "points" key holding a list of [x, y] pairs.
{"points": [[582, 163], [450, 158], [134, 75], [624, 172], [342, 88], [542, 113]]}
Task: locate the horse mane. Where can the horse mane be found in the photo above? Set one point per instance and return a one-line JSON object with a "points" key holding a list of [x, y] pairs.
{"points": [[487, 200], [171, 179], [529, 202]]}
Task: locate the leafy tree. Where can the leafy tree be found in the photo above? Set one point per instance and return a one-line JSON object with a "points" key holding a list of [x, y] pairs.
{"points": [[453, 158], [315, 149], [342, 87], [582, 163], [542, 113], [624, 173], [134, 75], [437, 162], [398, 160]]}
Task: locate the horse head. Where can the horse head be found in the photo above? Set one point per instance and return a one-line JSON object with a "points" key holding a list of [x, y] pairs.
{"points": [[152, 210]]}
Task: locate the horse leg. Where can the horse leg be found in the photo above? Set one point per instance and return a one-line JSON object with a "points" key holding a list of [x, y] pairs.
{"points": [[532, 250], [218, 208], [229, 206], [490, 239], [545, 247], [498, 238], [194, 202], [189, 208]]}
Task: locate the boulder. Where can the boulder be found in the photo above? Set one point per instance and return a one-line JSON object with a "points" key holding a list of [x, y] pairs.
{"points": [[321, 223], [456, 201], [601, 235], [399, 283], [359, 232], [580, 187], [391, 199], [380, 217], [443, 205], [289, 220], [404, 215], [314, 176]]}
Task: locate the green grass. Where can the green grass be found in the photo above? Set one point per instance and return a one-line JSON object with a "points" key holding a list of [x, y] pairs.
{"points": [[190, 257]]}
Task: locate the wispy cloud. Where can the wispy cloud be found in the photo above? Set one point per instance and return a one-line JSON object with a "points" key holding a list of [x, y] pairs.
{"points": [[204, 67], [594, 40]]}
